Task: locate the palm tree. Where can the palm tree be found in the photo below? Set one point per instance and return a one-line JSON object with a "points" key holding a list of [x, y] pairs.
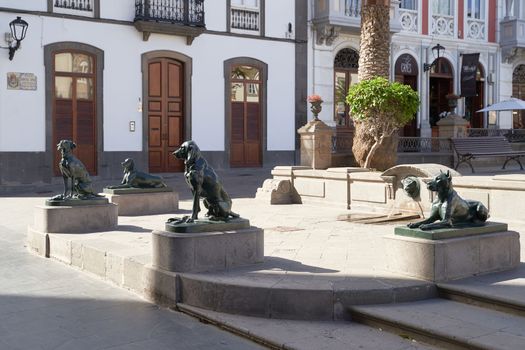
{"points": [[374, 61]]}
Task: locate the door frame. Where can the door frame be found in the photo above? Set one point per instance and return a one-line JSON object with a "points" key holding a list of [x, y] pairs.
{"points": [[187, 61], [263, 69], [98, 54]]}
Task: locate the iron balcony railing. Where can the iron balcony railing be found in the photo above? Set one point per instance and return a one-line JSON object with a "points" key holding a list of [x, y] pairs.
{"points": [[424, 145], [79, 5], [186, 12], [513, 135], [245, 19]]}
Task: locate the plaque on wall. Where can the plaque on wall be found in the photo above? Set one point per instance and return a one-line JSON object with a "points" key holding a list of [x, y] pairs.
{"points": [[21, 81], [406, 65]]}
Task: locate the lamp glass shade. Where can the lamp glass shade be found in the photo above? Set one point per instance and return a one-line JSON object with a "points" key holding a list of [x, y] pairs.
{"points": [[18, 28], [436, 51]]}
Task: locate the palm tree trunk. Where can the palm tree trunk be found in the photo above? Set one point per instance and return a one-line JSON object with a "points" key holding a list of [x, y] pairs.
{"points": [[374, 60]]}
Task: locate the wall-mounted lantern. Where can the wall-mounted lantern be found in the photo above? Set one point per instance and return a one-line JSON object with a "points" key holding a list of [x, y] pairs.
{"points": [[18, 33], [436, 51]]}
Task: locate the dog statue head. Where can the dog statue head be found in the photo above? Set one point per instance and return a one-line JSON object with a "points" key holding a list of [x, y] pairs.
{"points": [[441, 183], [128, 164], [66, 146], [189, 151]]}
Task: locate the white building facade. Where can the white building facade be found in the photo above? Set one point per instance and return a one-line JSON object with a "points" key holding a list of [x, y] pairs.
{"points": [[135, 78], [461, 27]]}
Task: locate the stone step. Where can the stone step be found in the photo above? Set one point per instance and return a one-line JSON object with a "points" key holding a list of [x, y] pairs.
{"points": [[502, 291], [447, 323], [493, 302], [270, 294], [305, 335]]}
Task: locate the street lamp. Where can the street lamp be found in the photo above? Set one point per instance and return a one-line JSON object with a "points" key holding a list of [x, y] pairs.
{"points": [[436, 50], [18, 33]]}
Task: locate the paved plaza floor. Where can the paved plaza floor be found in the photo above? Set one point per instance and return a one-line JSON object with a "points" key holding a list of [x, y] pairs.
{"points": [[47, 305]]}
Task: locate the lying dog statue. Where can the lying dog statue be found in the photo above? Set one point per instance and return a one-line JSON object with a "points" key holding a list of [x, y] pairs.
{"points": [[137, 179], [77, 183], [204, 183], [449, 208]]}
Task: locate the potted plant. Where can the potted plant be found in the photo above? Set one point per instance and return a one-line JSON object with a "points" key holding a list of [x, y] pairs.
{"points": [[315, 105]]}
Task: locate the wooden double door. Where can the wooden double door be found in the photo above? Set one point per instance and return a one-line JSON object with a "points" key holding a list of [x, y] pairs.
{"points": [[165, 111], [74, 106]]}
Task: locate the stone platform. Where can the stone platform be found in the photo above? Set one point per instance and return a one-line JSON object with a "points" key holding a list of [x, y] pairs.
{"points": [[143, 201], [449, 254], [75, 219], [208, 251], [314, 268]]}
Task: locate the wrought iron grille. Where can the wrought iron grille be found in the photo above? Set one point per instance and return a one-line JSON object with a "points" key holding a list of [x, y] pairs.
{"points": [[424, 145], [80, 5], [187, 12], [513, 135], [342, 142]]}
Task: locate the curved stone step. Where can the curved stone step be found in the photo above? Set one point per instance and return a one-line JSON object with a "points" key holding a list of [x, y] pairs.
{"points": [[447, 323], [301, 297]]}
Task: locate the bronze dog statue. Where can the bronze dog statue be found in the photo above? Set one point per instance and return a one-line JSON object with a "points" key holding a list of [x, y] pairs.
{"points": [[204, 183], [449, 208], [77, 183], [137, 179]]}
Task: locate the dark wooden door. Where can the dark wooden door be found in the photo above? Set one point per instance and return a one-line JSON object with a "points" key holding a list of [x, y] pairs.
{"points": [[439, 88], [246, 124], [165, 114], [411, 129], [74, 101]]}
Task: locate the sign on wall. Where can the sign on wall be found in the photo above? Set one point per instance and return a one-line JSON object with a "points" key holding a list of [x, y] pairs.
{"points": [[21, 81]]}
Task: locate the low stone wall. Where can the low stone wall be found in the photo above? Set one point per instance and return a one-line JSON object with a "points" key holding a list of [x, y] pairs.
{"points": [[365, 191]]}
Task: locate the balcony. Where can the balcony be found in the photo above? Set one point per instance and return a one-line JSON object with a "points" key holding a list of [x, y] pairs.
{"points": [[245, 20], [175, 17], [75, 7], [332, 17], [512, 36]]}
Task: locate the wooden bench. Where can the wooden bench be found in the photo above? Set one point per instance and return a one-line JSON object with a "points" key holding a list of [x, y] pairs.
{"points": [[468, 148]]}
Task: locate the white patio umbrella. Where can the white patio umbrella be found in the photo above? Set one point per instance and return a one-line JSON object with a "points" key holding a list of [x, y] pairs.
{"points": [[507, 105]]}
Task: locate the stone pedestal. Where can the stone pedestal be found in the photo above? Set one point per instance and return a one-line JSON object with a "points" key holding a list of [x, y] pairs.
{"points": [[316, 144], [452, 126], [137, 201], [448, 254], [75, 219], [207, 251]]}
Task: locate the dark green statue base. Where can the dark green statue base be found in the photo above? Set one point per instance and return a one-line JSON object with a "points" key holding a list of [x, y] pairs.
{"points": [[76, 202], [205, 225], [456, 232], [133, 190]]}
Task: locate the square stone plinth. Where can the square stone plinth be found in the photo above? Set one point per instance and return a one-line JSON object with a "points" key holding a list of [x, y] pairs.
{"points": [[453, 258], [207, 251], [75, 219], [136, 203]]}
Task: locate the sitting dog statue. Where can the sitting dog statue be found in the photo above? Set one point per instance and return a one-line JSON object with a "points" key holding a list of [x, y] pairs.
{"points": [[449, 208], [137, 179], [77, 183], [204, 183]]}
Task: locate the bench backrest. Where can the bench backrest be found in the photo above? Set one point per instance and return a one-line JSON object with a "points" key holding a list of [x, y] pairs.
{"points": [[489, 144]]}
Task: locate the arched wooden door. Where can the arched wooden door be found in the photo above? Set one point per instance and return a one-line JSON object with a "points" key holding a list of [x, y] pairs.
{"points": [[74, 101], [165, 111], [441, 84], [475, 103], [246, 120], [346, 65], [406, 72]]}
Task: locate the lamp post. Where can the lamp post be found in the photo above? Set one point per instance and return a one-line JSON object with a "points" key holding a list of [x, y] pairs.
{"points": [[436, 50], [18, 33]]}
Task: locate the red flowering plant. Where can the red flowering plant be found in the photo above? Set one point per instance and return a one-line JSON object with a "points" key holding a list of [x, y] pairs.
{"points": [[315, 101]]}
